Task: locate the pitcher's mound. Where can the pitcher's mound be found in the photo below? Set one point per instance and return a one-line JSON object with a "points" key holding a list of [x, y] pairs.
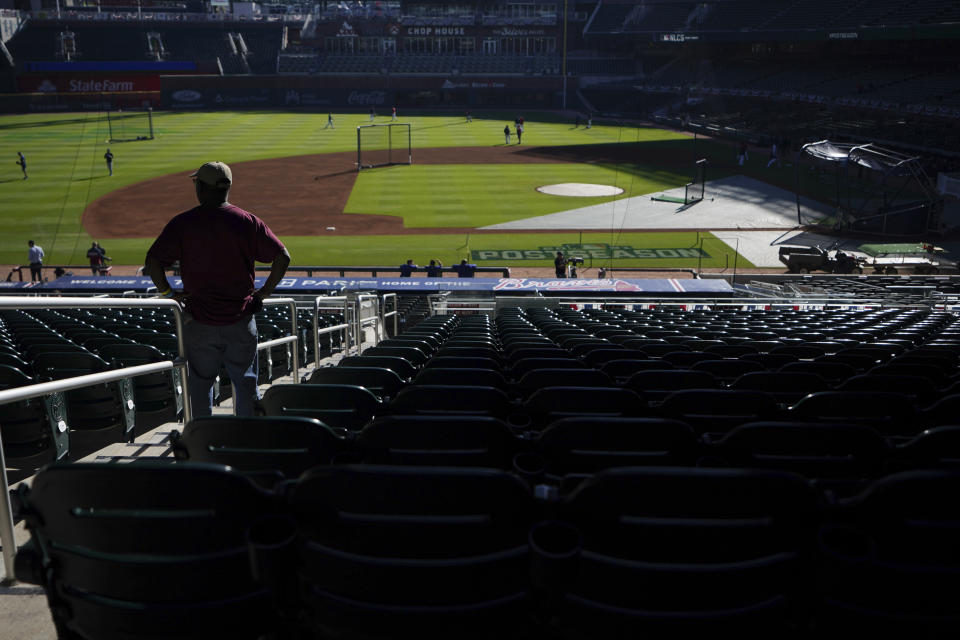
{"points": [[580, 189]]}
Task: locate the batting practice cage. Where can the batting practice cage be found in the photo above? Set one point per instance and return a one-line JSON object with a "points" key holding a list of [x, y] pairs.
{"points": [[694, 190], [379, 145], [128, 125], [865, 188]]}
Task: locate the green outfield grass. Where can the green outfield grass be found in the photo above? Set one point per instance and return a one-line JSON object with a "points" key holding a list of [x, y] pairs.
{"points": [[479, 195], [66, 168]]}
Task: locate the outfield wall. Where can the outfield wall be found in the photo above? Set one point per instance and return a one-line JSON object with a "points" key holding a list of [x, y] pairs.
{"points": [[329, 92]]}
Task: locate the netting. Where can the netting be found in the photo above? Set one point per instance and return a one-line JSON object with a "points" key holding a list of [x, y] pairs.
{"points": [[864, 187], [383, 144], [129, 125]]}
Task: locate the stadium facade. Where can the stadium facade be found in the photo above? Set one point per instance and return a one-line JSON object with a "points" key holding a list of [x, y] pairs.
{"points": [[886, 67]]}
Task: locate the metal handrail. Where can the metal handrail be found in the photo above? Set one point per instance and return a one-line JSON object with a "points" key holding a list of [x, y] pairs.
{"points": [[44, 388], [293, 337], [343, 327], [360, 323], [395, 314], [67, 384]]}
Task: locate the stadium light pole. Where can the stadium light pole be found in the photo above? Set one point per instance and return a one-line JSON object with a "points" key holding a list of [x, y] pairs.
{"points": [[563, 66]]}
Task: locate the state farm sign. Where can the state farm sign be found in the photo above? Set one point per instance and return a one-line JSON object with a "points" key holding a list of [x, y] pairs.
{"points": [[87, 84]]}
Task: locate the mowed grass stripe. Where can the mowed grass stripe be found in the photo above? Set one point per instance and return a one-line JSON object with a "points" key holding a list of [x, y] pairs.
{"points": [[480, 195]]}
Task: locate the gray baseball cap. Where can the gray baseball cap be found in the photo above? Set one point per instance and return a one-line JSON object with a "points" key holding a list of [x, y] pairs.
{"points": [[216, 174]]}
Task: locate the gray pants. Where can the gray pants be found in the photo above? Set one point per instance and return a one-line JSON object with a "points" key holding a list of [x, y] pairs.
{"points": [[208, 348]]}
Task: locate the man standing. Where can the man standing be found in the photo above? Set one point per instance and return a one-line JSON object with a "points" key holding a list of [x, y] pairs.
{"points": [[520, 133], [329, 121], [435, 269], [96, 254], [35, 258], [109, 158], [469, 117], [506, 134], [217, 244], [407, 269], [373, 114], [394, 119], [465, 269], [774, 155], [560, 265], [23, 163]]}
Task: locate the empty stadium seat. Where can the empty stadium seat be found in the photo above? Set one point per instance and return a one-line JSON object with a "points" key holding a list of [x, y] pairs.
{"points": [[156, 548], [889, 556], [392, 551], [674, 551], [477, 441], [336, 405], [268, 448]]}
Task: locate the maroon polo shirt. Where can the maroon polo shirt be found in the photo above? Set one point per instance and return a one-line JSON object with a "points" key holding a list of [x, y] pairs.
{"points": [[216, 247]]}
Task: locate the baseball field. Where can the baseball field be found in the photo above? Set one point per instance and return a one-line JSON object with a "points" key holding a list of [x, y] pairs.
{"points": [[300, 177]]}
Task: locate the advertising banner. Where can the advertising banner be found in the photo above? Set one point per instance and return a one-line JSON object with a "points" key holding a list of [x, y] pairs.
{"points": [[569, 286], [88, 83], [224, 98]]}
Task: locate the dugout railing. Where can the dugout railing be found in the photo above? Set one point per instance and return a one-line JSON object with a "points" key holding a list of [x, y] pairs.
{"points": [[309, 270], [375, 270], [19, 269]]}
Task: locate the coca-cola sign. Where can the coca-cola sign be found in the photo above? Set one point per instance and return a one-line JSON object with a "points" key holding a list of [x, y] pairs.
{"points": [[367, 97]]}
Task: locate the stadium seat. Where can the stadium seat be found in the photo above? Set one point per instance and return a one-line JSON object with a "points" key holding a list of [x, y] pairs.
{"points": [[400, 366], [149, 548], [520, 367], [535, 379], [727, 370], [267, 448], [159, 396], [383, 382], [477, 441], [917, 387], [621, 370], [96, 415], [461, 362], [788, 388], [336, 405], [818, 451], [677, 551], [462, 376], [892, 414], [393, 551], [434, 399], [29, 439], [657, 384], [832, 372], [583, 445], [718, 410], [413, 355], [889, 557], [936, 448], [552, 403], [477, 351]]}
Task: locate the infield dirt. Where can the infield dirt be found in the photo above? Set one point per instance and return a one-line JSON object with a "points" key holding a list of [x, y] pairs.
{"points": [[303, 195]]}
